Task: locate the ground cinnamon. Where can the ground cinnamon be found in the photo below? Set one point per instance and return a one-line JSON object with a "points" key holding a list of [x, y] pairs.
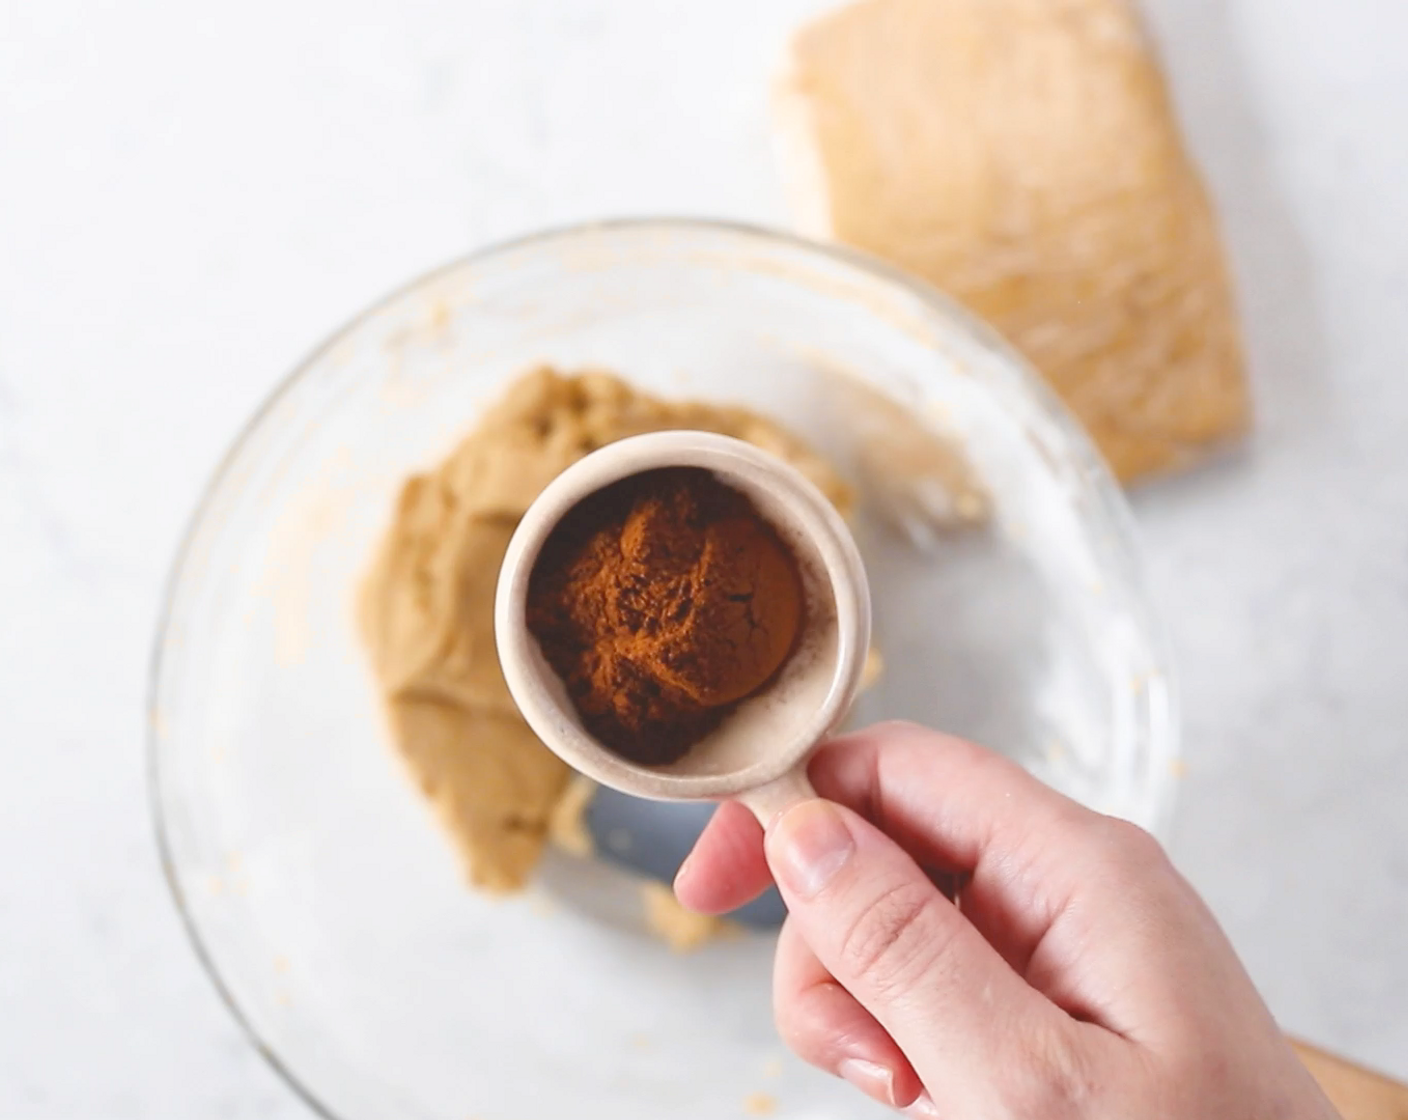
{"points": [[661, 601]]}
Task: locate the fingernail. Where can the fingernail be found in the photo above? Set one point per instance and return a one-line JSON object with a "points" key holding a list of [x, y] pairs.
{"points": [[682, 872], [807, 847], [871, 1078], [923, 1107]]}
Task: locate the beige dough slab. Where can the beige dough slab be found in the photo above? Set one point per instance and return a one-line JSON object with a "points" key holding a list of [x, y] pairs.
{"points": [[1022, 155]]}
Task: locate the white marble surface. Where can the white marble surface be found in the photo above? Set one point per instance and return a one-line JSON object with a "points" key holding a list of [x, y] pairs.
{"points": [[192, 195]]}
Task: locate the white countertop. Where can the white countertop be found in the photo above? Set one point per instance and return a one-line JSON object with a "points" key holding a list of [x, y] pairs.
{"points": [[193, 195]]}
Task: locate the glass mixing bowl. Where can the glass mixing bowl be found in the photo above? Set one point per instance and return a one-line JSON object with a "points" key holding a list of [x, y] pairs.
{"points": [[321, 897]]}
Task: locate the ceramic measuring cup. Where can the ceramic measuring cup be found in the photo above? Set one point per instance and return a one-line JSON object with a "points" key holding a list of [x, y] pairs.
{"points": [[758, 755]]}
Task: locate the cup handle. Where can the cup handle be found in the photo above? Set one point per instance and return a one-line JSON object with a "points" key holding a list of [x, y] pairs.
{"points": [[768, 802]]}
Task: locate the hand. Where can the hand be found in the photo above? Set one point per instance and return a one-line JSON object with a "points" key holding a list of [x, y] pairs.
{"points": [[1077, 975]]}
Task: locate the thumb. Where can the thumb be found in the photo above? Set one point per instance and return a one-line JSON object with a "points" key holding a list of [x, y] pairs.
{"points": [[907, 955]]}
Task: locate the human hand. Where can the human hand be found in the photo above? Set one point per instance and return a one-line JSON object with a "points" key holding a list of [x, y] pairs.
{"points": [[1078, 976]]}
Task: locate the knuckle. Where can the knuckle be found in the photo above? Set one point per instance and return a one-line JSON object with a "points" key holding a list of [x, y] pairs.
{"points": [[1131, 844], [807, 1028], [1054, 1082], [794, 1027], [897, 937]]}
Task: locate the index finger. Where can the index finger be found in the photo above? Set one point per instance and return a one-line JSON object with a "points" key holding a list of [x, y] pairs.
{"points": [[953, 806], [727, 868]]}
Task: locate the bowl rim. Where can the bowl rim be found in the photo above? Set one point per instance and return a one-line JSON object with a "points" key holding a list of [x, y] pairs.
{"points": [[1094, 470]]}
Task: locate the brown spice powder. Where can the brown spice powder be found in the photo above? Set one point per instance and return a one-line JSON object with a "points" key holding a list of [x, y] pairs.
{"points": [[661, 601]]}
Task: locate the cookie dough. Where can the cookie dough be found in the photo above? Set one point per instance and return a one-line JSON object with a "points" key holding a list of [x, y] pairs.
{"points": [[426, 607], [682, 930], [1023, 156]]}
